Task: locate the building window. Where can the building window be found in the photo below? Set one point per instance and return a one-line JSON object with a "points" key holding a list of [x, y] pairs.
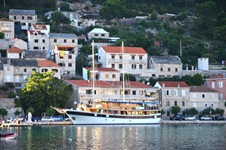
{"points": [[206, 105], [176, 69], [36, 34], [69, 56], [175, 92], [141, 92], [183, 103], [167, 92], [212, 105], [102, 35], [175, 103], [55, 70], [167, 103], [194, 95], [44, 70], [221, 96], [65, 40], [220, 84], [61, 64], [43, 47], [43, 41], [55, 40], [36, 40], [35, 47], [95, 34], [203, 95], [161, 69], [69, 64], [133, 66], [120, 56], [22, 17], [140, 66], [25, 70], [213, 85], [33, 69], [73, 41], [153, 75], [134, 92], [140, 57], [112, 56], [169, 69], [120, 66], [112, 65], [133, 57], [113, 76], [29, 18], [183, 93], [106, 76], [14, 17]]}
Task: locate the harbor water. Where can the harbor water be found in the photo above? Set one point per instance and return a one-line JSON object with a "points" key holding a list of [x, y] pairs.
{"points": [[121, 137]]}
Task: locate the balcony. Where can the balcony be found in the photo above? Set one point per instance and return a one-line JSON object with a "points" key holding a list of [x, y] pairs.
{"points": [[115, 60], [138, 61]]}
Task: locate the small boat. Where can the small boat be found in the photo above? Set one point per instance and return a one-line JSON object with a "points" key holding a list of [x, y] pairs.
{"points": [[8, 136]]}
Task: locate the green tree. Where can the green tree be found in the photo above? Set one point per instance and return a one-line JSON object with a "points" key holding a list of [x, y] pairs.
{"points": [[192, 111], [65, 6], [58, 18], [208, 111], [17, 112], [42, 90], [175, 110], [1, 35], [219, 111], [51, 112], [154, 15], [3, 112], [113, 9]]}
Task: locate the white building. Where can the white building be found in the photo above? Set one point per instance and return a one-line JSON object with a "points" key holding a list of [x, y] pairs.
{"points": [[7, 27], [98, 33], [203, 63], [131, 60]]}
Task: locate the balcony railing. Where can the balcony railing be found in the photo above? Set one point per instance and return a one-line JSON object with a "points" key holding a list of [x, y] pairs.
{"points": [[6, 29], [115, 60], [138, 61]]}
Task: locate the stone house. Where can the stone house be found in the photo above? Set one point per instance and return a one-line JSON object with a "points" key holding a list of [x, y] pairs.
{"points": [[7, 27], [165, 66], [49, 65], [173, 94], [202, 97], [98, 33], [15, 53], [19, 43], [23, 18]]}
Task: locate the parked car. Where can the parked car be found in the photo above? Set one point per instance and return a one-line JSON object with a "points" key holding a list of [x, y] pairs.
{"points": [[206, 118], [219, 118], [177, 117], [36, 119], [46, 119], [190, 118], [57, 118]]}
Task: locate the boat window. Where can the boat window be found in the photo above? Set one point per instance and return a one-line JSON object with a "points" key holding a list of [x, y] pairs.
{"points": [[73, 118]]}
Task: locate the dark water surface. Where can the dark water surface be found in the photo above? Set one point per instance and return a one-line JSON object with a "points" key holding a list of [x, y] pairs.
{"points": [[148, 137]]}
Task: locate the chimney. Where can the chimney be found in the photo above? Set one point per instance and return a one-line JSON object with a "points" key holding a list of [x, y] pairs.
{"points": [[163, 85], [178, 85]]}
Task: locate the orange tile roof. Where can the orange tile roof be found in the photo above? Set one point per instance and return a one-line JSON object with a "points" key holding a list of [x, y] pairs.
{"points": [[86, 83], [201, 89], [47, 63], [5, 19], [14, 50], [128, 84], [40, 26], [118, 49], [218, 76], [65, 46], [172, 84], [103, 69]]}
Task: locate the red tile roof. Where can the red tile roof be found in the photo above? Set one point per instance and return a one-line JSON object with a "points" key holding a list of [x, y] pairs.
{"points": [[40, 27], [103, 69], [118, 49], [172, 84], [218, 76], [201, 89], [108, 84], [86, 83], [47, 63], [32, 32], [14, 50]]}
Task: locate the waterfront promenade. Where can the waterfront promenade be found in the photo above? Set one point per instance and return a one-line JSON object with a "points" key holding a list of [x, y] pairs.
{"points": [[26, 124]]}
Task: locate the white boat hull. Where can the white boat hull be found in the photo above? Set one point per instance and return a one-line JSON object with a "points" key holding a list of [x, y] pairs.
{"points": [[88, 118]]}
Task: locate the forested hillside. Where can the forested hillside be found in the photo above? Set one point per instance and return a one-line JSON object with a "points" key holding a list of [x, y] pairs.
{"points": [[197, 28]]}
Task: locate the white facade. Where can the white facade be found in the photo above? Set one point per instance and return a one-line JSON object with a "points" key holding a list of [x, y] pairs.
{"points": [[97, 33], [203, 63], [7, 27], [133, 60]]}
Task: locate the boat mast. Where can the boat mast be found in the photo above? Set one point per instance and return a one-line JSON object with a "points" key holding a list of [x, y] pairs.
{"points": [[123, 75], [93, 78]]}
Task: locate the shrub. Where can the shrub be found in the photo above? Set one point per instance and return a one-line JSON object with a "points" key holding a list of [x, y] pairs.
{"points": [[9, 85], [4, 88], [12, 95], [17, 102]]}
